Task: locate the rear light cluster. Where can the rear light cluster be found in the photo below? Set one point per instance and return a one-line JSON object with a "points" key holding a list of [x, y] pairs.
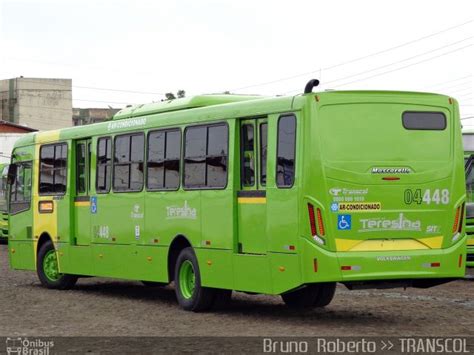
{"points": [[317, 229], [458, 221]]}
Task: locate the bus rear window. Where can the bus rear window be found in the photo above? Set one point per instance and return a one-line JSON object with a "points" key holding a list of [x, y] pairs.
{"points": [[435, 121]]}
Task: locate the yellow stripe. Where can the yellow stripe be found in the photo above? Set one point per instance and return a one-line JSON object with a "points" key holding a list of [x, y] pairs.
{"points": [[388, 245], [470, 242], [433, 242], [47, 136], [252, 200], [82, 203]]}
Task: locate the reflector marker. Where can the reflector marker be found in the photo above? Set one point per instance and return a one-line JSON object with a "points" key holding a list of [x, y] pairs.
{"points": [[350, 268]]}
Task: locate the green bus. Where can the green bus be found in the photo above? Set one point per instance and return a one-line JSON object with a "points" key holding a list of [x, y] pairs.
{"points": [[3, 203], [468, 141], [275, 195]]}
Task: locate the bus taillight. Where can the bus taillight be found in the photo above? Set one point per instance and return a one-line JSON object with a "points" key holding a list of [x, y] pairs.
{"points": [[317, 231], [312, 220], [320, 223], [456, 220]]}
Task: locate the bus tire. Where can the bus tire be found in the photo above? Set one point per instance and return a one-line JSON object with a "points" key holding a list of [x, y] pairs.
{"points": [[325, 294], [302, 298], [189, 292], [48, 270]]}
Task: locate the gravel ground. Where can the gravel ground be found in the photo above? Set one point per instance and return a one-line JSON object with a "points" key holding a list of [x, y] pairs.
{"points": [[109, 307]]}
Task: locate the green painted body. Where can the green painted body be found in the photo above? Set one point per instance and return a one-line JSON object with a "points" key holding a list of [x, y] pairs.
{"points": [[468, 137], [268, 247]]}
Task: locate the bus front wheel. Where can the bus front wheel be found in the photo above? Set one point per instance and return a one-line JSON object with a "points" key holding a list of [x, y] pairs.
{"points": [[48, 269], [311, 296], [189, 292]]}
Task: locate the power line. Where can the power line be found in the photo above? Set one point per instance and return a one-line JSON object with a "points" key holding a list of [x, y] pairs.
{"points": [[406, 66], [358, 58], [458, 90], [392, 63], [455, 86], [86, 100], [400, 61], [450, 81], [90, 87]]}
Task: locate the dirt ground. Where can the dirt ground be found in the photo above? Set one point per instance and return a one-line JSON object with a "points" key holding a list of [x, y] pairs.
{"points": [[109, 307]]}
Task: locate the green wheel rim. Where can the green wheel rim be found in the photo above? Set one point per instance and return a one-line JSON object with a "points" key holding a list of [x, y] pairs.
{"points": [[187, 279], [50, 266]]}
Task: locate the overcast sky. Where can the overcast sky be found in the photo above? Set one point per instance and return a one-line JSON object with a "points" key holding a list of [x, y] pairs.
{"points": [[209, 46]]}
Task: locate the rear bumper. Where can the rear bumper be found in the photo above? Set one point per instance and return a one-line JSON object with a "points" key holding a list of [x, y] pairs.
{"points": [[386, 265]]}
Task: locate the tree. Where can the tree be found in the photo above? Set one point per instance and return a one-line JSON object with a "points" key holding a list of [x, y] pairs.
{"points": [[170, 96]]}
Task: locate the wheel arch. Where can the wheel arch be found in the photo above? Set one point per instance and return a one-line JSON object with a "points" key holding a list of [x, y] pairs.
{"points": [[44, 237], [179, 243]]}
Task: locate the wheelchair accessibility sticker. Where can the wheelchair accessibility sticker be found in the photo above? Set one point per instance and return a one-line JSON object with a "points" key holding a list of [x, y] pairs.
{"points": [[344, 222]]}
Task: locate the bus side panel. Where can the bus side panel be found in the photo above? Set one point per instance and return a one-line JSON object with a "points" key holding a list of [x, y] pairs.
{"points": [[21, 255], [112, 260], [285, 272], [216, 268], [172, 213], [217, 219], [317, 264], [76, 260], [149, 263], [252, 273]]}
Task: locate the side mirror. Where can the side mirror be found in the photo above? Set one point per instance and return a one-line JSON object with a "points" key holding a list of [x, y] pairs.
{"points": [[11, 174]]}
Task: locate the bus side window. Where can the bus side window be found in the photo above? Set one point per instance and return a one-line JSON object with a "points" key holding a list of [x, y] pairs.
{"points": [[248, 155], [163, 158], [53, 169], [205, 156], [81, 177], [128, 162], [104, 164], [285, 174]]}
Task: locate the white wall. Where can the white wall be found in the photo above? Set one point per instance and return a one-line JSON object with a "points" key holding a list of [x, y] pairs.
{"points": [[7, 140]]}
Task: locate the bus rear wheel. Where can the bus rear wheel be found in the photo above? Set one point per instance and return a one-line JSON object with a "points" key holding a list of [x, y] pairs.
{"points": [[311, 296], [48, 270], [189, 292]]}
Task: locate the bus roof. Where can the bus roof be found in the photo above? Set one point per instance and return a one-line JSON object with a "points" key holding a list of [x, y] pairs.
{"points": [[213, 107], [181, 104]]}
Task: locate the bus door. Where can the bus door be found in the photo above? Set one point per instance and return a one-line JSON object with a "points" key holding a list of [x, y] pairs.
{"points": [[82, 200], [251, 196]]}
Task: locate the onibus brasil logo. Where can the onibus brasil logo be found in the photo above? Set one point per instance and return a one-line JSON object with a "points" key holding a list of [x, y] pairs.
{"points": [[20, 346]]}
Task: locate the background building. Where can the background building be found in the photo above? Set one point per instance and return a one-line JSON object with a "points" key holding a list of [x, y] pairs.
{"points": [[38, 103]]}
